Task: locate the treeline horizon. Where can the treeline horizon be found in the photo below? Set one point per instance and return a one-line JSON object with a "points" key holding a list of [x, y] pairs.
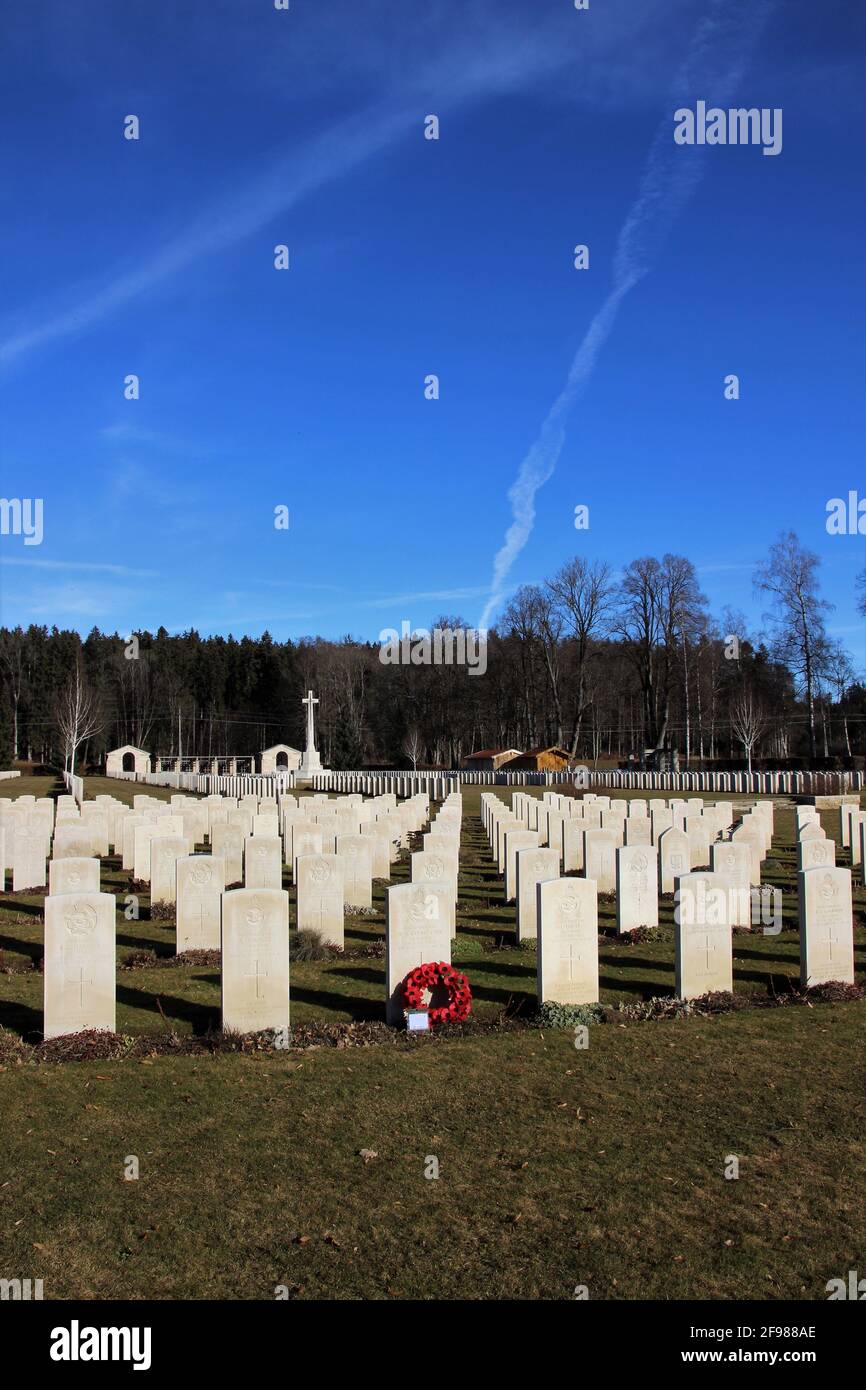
{"points": [[634, 669]]}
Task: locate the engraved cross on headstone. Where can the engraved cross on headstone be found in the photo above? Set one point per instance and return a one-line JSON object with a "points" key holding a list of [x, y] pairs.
{"points": [[709, 950], [327, 901], [80, 981], [569, 960], [258, 975], [202, 915]]}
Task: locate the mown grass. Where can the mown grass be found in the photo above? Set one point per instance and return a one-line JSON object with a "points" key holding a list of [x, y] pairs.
{"points": [[558, 1166]]}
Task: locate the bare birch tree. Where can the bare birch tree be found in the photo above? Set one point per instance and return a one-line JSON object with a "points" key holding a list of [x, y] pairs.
{"points": [[413, 747], [78, 716], [748, 721]]}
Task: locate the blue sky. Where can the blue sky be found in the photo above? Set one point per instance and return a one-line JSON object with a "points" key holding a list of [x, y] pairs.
{"points": [[408, 257]]}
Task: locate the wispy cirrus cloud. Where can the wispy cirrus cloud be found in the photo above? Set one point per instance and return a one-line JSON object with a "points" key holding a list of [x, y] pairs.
{"points": [[87, 566], [73, 602], [423, 596], [456, 55], [136, 437], [340, 149]]}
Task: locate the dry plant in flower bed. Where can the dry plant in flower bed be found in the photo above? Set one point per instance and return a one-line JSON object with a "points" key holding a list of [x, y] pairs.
{"points": [[13, 967]]}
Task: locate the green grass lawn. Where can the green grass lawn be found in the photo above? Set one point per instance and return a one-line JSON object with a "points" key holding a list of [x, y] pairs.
{"points": [[558, 1166]]}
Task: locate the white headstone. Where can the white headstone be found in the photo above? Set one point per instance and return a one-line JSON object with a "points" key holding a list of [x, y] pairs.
{"points": [[227, 841], [599, 861], [427, 867], [637, 894], [73, 876], [79, 970], [534, 866], [516, 838], [380, 849], [29, 853], [674, 858], [320, 896], [165, 850], [826, 926], [703, 948], [733, 862], [417, 932], [567, 910], [638, 830], [355, 854], [816, 854], [263, 861], [200, 886], [255, 960]]}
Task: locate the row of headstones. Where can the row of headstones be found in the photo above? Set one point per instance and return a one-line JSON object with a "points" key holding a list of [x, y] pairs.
{"points": [[29, 834], [28, 827], [564, 922], [852, 834], [585, 835], [156, 840], [707, 905], [421, 922], [250, 926], [254, 942], [762, 783], [433, 785], [74, 786], [503, 778]]}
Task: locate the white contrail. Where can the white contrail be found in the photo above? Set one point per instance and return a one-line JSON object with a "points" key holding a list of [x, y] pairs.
{"points": [[714, 66]]}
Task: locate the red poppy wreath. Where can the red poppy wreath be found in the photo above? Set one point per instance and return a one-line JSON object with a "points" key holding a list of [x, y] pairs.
{"points": [[429, 977]]}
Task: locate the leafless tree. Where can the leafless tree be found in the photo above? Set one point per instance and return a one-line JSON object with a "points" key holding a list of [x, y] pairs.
{"points": [[520, 621], [659, 610], [78, 716], [841, 676], [413, 747], [581, 592], [748, 721], [790, 577]]}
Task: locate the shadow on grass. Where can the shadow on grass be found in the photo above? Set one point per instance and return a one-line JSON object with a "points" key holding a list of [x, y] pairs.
{"points": [[631, 962], [473, 929], [31, 909], [34, 950], [21, 1019], [484, 967], [201, 1017], [356, 1006], [647, 989], [146, 943], [773, 981], [786, 957], [360, 972]]}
